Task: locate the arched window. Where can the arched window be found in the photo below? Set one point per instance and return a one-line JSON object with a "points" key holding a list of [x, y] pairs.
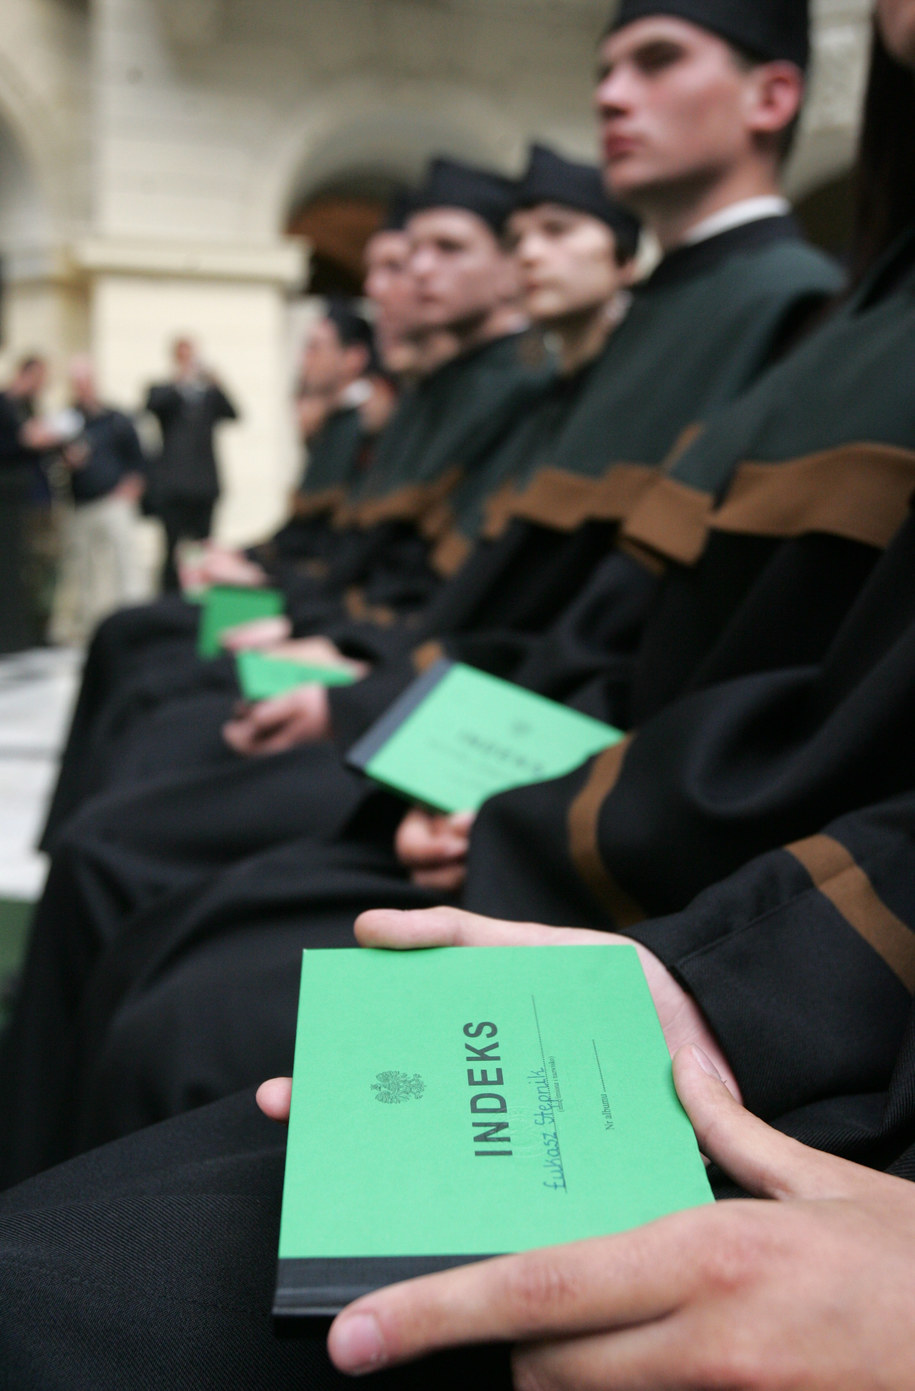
{"points": [[338, 220]]}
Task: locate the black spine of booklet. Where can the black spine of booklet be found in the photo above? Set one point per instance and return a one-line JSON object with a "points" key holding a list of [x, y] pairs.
{"points": [[365, 749], [319, 1289]]}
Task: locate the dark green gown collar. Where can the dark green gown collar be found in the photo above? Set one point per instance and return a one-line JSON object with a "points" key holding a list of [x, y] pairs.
{"points": [[685, 262]]}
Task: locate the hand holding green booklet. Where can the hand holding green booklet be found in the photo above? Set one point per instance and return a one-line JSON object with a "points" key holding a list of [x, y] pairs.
{"points": [[262, 677], [224, 607], [454, 1104], [459, 736]]}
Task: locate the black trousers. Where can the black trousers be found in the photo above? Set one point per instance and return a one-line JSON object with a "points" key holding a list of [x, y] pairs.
{"points": [[184, 519], [151, 1263]]}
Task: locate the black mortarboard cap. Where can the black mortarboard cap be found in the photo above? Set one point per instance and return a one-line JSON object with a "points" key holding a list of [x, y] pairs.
{"points": [[449, 184], [551, 178], [768, 29], [398, 210]]}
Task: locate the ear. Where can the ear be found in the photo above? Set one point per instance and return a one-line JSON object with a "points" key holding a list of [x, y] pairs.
{"points": [[775, 96]]}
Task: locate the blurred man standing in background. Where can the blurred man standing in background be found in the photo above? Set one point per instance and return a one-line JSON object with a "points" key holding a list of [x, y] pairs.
{"points": [[183, 479]]}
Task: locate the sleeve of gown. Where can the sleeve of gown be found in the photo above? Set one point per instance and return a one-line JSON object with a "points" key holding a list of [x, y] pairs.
{"points": [[222, 407], [804, 960]]}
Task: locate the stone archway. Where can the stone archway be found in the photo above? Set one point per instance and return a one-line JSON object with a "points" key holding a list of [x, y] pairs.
{"points": [[337, 222], [355, 134]]}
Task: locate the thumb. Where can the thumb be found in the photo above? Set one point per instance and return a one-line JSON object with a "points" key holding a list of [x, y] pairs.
{"points": [[274, 1098], [763, 1161], [454, 927]]}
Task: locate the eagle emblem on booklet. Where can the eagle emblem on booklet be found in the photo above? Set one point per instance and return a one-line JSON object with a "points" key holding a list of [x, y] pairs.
{"points": [[393, 1088]]}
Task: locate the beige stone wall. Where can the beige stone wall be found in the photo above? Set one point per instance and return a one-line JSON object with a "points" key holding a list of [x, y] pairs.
{"points": [[830, 124], [151, 151]]}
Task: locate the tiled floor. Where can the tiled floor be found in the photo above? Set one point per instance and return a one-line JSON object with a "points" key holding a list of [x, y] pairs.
{"points": [[36, 693]]}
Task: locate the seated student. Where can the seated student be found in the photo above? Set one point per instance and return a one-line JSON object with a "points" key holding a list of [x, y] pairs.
{"points": [[730, 837], [154, 1259], [735, 285], [335, 385], [446, 424], [576, 249], [575, 252], [165, 630], [391, 288]]}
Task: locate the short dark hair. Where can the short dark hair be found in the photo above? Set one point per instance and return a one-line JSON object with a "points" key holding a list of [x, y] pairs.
{"points": [[353, 328]]}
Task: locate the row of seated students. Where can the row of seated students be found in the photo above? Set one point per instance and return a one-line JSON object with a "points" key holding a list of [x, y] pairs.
{"points": [[557, 608], [692, 520]]}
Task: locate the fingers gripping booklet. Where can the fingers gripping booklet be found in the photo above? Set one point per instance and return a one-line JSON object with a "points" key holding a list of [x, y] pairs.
{"points": [[459, 1103], [261, 676], [226, 606], [458, 736]]}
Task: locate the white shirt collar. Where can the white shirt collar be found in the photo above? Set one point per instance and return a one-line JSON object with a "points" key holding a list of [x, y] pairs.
{"points": [[737, 215]]}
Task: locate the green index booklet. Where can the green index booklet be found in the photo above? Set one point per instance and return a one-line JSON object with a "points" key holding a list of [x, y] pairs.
{"points": [[261, 677], [458, 736], [224, 607], [459, 1103]]}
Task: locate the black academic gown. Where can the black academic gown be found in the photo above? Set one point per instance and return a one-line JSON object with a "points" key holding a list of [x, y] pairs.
{"points": [[529, 868], [562, 480], [338, 455], [445, 429], [148, 883], [141, 647], [677, 839], [738, 297], [153, 1260], [585, 656]]}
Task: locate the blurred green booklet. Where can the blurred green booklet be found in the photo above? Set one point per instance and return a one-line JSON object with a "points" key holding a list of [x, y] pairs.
{"points": [[261, 677], [224, 607], [458, 736], [454, 1104]]}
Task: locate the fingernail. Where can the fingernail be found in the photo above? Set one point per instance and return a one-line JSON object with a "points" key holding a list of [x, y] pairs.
{"points": [[705, 1062], [358, 1345]]}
